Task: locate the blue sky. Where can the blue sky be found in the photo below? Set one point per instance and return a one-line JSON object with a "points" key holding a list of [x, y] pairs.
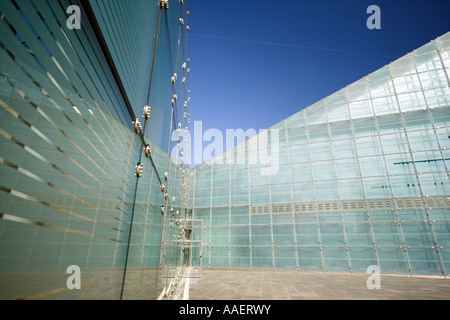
{"points": [[256, 62]]}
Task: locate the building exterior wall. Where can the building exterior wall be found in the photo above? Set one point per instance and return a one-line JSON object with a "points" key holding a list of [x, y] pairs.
{"points": [[360, 178], [69, 193]]}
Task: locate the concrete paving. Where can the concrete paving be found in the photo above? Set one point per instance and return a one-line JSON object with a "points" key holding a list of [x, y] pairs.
{"points": [[221, 285], [301, 285]]}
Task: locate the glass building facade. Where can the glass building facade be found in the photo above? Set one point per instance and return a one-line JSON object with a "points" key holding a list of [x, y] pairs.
{"points": [[357, 179], [88, 178], [94, 116]]}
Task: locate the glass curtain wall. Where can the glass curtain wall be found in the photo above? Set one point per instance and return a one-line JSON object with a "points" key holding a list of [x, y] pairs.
{"points": [[81, 179], [360, 178], [149, 46]]}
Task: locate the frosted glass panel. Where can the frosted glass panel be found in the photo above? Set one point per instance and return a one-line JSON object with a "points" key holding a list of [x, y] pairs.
{"points": [[361, 175]]}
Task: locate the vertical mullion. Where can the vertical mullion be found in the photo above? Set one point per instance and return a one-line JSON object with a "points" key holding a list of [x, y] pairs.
{"points": [[424, 203]]}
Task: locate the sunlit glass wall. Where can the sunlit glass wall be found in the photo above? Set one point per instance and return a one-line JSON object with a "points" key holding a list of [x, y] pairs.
{"points": [[360, 178], [72, 189]]}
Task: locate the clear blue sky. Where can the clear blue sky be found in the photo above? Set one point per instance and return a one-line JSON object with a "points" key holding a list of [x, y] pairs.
{"points": [[256, 62]]}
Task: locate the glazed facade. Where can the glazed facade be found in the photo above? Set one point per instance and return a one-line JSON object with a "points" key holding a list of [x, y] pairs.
{"points": [[72, 192], [92, 178], [357, 179]]}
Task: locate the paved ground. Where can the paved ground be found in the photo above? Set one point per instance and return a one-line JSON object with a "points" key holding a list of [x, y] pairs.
{"points": [[221, 285], [279, 285]]}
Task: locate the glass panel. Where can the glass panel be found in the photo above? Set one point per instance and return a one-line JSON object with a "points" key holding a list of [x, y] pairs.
{"points": [[442, 230], [350, 189], [331, 234], [425, 49], [392, 260], [439, 97], [280, 193], [412, 215], [240, 257], [404, 65], [368, 146], [387, 234], [399, 163], [443, 42], [358, 234], [202, 198], [258, 194], [256, 177], [309, 258], [424, 261], [296, 120], [283, 235], [301, 172], [318, 133], [380, 74], [417, 120], [422, 140], [239, 177], [240, 235], [220, 197], [338, 112], [335, 259], [282, 175], [433, 79], [347, 168], [372, 166], [364, 127], [220, 257], [220, 216], [325, 190], [298, 153], [203, 214], [285, 258], [303, 191], [307, 234], [405, 186], [358, 90], [390, 123], [340, 130], [411, 101], [385, 105], [297, 135], [361, 258], [239, 195], [344, 149], [377, 187], [239, 215], [220, 179], [262, 257], [436, 183], [417, 234], [381, 88], [338, 97], [316, 113], [394, 143], [323, 170], [203, 180], [320, 151], [220, 236], [360, 109]]}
